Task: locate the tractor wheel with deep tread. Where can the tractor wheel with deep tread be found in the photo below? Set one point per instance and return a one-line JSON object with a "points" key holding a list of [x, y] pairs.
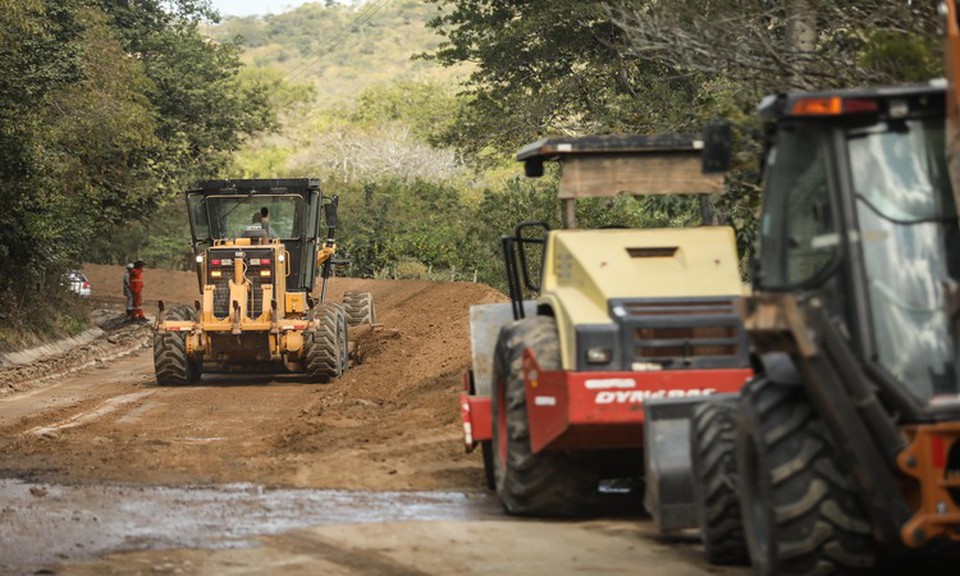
{"points": [[712, 439], [548, 483], [359, 307], [170, 361], [323, 346], [800, 509]]}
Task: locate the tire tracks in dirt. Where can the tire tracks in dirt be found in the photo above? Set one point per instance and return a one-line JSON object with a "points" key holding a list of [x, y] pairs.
{"points": [[105, 408]]}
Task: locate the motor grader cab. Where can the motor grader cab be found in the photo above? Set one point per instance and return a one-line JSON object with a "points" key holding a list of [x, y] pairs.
{"points": [[847, 441], [260, 245], [557, 392]]}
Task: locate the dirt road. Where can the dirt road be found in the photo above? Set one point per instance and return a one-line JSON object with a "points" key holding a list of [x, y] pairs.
{"points": [[246, 474]]}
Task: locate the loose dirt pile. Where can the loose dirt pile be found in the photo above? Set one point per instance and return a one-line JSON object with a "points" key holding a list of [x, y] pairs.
{"points": [[391, 422]]}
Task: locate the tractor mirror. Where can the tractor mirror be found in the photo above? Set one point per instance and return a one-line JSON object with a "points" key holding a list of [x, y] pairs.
{"points": [[633, 164], [717, 147], [330, 212], [533, 169]]}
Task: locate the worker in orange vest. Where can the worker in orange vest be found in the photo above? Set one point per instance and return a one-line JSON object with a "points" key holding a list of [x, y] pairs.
{"points": [[136, 288]]}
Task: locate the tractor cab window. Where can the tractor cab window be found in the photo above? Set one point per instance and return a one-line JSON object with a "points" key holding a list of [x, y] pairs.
{"points": [[910, 246], [799, 224]]}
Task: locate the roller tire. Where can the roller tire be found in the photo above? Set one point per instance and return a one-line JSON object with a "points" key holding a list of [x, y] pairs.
{"points": [[323, 355], [548, 483], [170, 361], [712, 440], [359, 307], [801, 512]]}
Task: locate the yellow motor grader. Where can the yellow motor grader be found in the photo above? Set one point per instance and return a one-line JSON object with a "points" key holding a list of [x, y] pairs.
{"points": [[260, 246]]}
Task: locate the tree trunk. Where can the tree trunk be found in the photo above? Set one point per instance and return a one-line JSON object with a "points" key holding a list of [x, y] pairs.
{"points": [[801, 38]]}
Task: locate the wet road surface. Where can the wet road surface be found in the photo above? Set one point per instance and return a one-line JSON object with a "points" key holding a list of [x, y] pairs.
{"points": [[43, 524]]}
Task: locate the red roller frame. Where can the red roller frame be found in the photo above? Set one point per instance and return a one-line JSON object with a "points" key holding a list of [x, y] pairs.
{"points": [[569, 409], [476, 412]]}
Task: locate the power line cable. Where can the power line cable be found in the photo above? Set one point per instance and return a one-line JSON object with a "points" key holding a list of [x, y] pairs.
{"points": [[315, 56], [363, 18], [368, 7]]}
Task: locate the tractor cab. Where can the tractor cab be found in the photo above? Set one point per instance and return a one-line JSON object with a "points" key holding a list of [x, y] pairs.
{"points": [[858, 213], [853, 322], [283, 216]]}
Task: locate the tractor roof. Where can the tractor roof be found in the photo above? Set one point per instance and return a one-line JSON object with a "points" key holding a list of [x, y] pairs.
{"points": [[638, 165], [258, 186], [851, 102], [557, 148]]}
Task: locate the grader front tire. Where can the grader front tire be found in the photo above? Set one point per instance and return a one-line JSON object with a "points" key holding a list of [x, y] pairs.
{"points": [[171, 363]]}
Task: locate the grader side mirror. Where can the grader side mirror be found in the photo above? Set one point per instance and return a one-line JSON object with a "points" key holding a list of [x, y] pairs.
{"points": [[330, 212]]}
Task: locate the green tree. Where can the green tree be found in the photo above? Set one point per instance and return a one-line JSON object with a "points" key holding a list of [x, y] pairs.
{"points": [[427, 107], [40, 53], [548, 68], [205, 110], [105, 107], [766, 46], [646, 66]]}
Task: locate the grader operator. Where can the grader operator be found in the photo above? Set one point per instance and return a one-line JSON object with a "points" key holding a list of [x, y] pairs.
{"points": [[259, 246]]}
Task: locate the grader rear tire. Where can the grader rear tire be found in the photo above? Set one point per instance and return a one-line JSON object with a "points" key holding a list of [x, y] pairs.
{"points": [[548, 483], [170, 361], [323, 360], [359, 307], [712, 439]]}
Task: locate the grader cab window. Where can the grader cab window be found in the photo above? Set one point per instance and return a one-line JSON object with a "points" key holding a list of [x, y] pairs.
{"points": [[229, 217], [910, 248]]}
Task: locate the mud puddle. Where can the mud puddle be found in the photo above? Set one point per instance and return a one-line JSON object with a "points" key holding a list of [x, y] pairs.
{"points": [[45, 524]]}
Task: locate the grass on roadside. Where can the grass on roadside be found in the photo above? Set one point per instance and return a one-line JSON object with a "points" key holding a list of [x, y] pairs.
{"points": [[31, 320]]}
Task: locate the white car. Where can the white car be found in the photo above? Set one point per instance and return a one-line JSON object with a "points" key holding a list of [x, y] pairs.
{"points": [[78, 283]]}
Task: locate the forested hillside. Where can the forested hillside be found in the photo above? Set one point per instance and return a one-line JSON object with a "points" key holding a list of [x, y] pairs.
{"points": [[342, 49], [409, 109]]}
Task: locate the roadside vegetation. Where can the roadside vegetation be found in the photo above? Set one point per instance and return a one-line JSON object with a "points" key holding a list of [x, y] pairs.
{"points": [[411, 110], [106, 109]]}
